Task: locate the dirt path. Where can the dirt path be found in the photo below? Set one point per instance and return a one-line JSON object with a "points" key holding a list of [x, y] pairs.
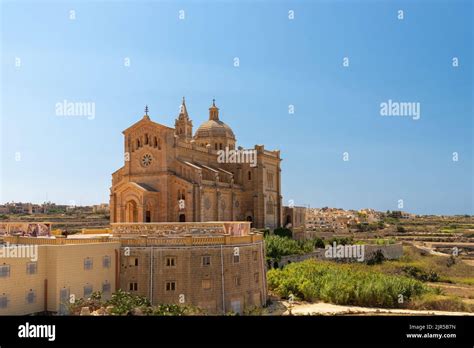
{"points": [[321, 308]]}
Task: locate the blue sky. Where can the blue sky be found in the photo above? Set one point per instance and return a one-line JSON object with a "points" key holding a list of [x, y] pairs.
{"points": [[282, 62]]}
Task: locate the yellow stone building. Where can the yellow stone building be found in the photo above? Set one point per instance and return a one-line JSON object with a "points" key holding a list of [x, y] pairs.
{"points": [[217, 266], [171, 175], [61, 270]]}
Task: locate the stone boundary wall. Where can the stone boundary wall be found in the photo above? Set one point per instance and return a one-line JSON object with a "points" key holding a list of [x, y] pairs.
{"points": [[234, 228], [390, 252]]}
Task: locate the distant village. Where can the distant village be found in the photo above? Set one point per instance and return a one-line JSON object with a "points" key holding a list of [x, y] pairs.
{"points": [[306, 223], [19, 208], [303, 221]]}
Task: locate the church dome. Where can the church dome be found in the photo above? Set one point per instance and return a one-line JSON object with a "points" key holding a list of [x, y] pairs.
{"points": [[214, 128]]}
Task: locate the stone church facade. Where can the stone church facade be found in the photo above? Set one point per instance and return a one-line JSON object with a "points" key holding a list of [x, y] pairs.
{"points": [[173, 175]]}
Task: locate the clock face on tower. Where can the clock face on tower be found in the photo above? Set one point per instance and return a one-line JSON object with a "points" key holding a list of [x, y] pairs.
{"points": [[146, 160]]}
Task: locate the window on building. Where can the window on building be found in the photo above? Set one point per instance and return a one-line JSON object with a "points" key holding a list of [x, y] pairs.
{"points": [[106, 287], [270, 180], [170, 286], [236, 258], [170, 261], [206, 284], [237, 281], [254, 255], [88, 263], [87, 290], [155, 142], [31, 297], [31, 268], [206, 260], [106, 261], [215, 146], [133, 261], [249, 175], [3, 301], [256, 277], [4, 271], [220, 146], [133, 286]]}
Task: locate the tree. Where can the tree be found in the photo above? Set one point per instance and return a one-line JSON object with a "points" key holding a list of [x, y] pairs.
{"points": [[277, 246], [400, 229], [376, 258], [319, 243], [283, 232]]}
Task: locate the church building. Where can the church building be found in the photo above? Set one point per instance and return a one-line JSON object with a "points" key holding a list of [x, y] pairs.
{"points": [[172, 175]]}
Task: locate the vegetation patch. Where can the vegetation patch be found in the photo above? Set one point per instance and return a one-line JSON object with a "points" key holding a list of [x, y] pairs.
{"points": [[420, 274], [277, 246], [124, 303], [345, 284], [441, 303]]}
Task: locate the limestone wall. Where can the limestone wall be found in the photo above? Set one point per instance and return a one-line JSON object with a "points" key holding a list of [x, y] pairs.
{"points": [[390, 252]]}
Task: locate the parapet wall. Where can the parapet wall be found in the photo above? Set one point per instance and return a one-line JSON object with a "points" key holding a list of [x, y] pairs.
{"points": [[234, 228]]}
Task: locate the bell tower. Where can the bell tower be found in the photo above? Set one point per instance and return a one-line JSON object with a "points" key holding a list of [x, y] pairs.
{"points": [[183, 124]]}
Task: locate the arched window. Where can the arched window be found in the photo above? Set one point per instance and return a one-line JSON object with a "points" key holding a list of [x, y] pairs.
{"points": [[155, 142], [146, 139], [249, 174], [138, 143]]}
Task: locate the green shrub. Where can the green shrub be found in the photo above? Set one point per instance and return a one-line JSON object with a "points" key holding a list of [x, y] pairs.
{"points": [[124, 303], [174, 310], [342, 284], [283, 232], [420, 274], [318, 243], [377, 258], [340, 240], [277, 246]]}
